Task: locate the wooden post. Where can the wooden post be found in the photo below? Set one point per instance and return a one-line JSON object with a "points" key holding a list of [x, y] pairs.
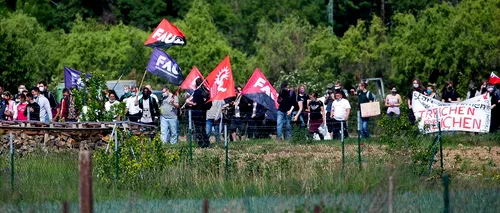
{"points": [[205, 206], [317, 209], [86, 198], [391, 188], [65, 208]]}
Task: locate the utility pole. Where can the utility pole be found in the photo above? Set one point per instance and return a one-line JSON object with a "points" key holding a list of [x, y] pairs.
{"points": [[330, 15]]}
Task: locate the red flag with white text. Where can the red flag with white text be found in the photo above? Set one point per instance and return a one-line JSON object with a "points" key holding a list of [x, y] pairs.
{"points": [[165, 36], [494, 79], [220, 81], [260, 90]]}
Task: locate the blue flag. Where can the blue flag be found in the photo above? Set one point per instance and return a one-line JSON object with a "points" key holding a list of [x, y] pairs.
{"points": [[72, 78], [162, 65]]}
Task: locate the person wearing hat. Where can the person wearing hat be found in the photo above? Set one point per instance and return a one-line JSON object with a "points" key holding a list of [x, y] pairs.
{"points": [[168, 116]]}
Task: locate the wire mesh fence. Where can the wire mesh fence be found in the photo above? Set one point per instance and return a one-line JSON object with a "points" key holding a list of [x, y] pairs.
{"points": [[423, 201]]}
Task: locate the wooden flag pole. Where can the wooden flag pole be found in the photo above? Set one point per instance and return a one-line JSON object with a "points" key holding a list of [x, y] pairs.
{"points": [[140, 85]]}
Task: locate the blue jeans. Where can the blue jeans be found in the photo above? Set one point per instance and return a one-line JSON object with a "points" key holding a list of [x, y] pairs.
{"points": [[365, 133], [283, 119], [211, 123], [169, 130], [301, 120]]}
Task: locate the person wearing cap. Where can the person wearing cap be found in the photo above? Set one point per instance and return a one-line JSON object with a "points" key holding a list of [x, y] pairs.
{"points": [[340, 111], [330, 96], [168, 116], [338, 85]]}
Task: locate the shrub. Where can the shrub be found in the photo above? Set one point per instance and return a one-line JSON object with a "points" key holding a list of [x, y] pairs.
{"points": [[137, 156]]}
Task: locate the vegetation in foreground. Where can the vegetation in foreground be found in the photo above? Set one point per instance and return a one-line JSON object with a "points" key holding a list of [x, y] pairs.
{"points": [[256, 168]]}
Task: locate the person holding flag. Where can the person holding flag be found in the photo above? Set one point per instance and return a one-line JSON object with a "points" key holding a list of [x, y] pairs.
{"points": [[199, 106]]}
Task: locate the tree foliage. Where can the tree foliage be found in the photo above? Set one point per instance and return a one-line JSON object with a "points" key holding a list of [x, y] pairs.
{"points": [[288, 40]]}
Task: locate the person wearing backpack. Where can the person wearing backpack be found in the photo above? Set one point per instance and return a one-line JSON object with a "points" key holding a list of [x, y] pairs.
{"points": [[149, 107], [364, 96], [42, 86]]}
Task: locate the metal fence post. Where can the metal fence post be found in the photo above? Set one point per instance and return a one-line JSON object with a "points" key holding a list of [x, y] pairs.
{"points": [[391, 188], [11, 161], [226, 146], [446, 194], [117, 157], [342, 137], [359, 138], [190, 137]]}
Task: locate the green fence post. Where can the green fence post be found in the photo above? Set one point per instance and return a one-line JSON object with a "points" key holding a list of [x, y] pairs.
{"points": [[190, 135], [440, 143], [11, 161], [359, 139], [117, 157], [446, 194], [342, 134], [227, 154]]}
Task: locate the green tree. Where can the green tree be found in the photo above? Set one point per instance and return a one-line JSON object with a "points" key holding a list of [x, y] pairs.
{"points": [[18, 33], [281, 46], [206, 47]]}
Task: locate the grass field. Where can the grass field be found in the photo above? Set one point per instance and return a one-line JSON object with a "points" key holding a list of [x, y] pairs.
{"points": [[269, 177]]}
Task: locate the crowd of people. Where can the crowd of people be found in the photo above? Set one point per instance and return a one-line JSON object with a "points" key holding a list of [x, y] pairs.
{"points": [[316, 112]]}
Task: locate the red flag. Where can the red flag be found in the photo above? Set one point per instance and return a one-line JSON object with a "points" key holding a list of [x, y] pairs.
{"points": [[494, 79], [189, 84], [260, 90], [165, 36], [220, 81]]}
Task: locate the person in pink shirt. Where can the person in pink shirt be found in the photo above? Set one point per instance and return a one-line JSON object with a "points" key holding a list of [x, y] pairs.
{"points": [[9, 111], [21, 108]]}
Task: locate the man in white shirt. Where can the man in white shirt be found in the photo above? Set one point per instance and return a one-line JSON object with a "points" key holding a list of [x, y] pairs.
{"points": [[340, 114], [43, 102], [132, 111]]}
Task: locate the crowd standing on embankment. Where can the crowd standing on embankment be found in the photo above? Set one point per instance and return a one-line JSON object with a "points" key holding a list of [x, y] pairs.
{"points": [[324, 115]]}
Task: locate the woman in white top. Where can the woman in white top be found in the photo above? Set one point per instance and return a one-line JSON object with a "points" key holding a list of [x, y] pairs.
{"points": [[112, 100], [392, 103]]}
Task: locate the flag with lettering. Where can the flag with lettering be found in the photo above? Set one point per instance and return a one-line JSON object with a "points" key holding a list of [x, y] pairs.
{"points": [[471, 115], [162, 65], [189, 84], [260, 90], [494, 79], [72, 78], [165, 36], [220, 81]]}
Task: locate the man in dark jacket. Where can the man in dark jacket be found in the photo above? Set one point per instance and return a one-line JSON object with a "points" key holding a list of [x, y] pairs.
{"points": [[33, 109], [199, 107]]}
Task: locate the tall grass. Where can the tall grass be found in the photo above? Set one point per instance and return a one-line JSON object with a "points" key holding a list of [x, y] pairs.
{"points": [[257, 169]]}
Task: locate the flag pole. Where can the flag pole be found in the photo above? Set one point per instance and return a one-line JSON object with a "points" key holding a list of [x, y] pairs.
{"points": [[128, 66], [184, 105], [140, 85]]}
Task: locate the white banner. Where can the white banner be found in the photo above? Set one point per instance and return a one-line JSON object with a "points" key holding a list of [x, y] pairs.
{"points": [[472, 115]]}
